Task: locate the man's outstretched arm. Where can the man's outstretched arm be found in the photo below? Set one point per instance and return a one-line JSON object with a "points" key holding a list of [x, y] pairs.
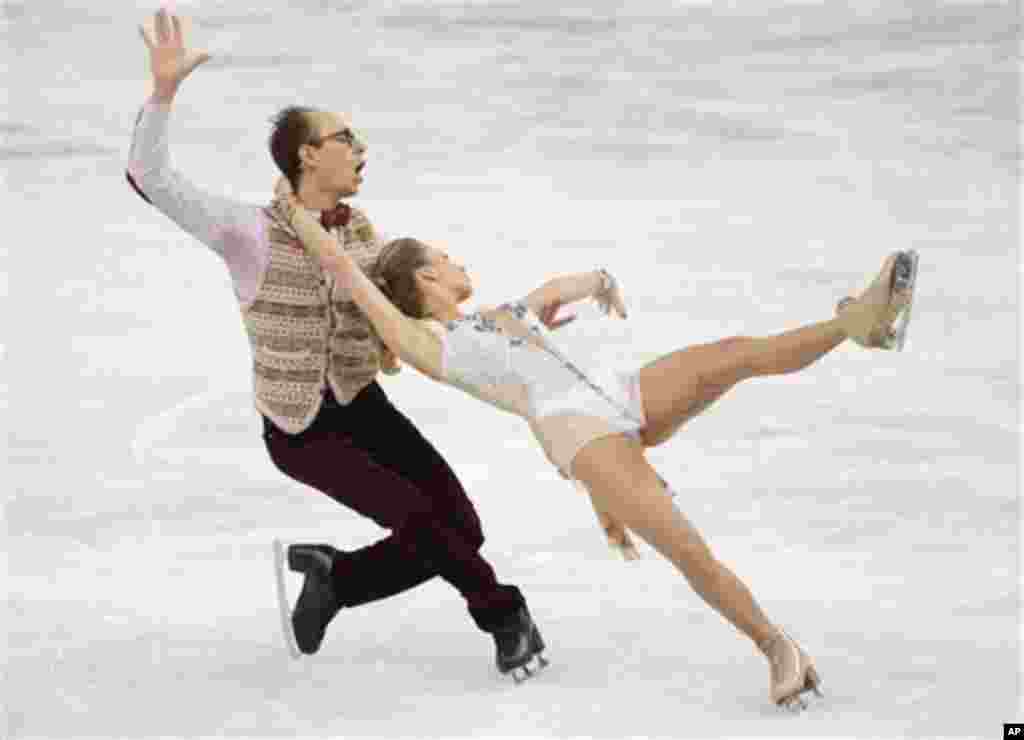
{"points": [[233, 229]]}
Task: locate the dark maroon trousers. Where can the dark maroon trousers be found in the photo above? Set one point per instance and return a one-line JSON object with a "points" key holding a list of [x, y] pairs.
{"points": [[370, 458]]}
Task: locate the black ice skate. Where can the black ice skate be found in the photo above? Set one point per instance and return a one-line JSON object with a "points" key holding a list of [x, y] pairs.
{"points": [[519, 647], [318, 601]]}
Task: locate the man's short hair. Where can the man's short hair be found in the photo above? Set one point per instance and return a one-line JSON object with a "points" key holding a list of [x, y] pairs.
{"points": [[291, 128]]}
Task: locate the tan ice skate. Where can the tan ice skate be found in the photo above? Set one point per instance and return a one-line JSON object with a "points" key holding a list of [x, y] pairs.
{"points": [[792, 672], [879, 317]]}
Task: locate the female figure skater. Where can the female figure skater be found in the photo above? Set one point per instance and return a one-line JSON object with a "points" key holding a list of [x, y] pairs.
{"points": [[594, 426]]}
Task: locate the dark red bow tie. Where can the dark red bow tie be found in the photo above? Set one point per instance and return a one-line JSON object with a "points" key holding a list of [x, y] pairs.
{"points": [[337, 216]]}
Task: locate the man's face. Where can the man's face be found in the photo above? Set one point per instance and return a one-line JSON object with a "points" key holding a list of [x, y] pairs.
{"points": [[336, 156]]}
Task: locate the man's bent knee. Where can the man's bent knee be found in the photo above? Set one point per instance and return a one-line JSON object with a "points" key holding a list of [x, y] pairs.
{"points": [[475, 538], [417, 535], [427, 534]]}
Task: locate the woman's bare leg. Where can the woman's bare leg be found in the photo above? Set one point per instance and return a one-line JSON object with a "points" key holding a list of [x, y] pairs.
{"points": [[622, 482], [680, 385]]}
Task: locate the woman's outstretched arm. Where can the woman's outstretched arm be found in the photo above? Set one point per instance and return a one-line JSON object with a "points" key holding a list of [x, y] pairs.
{"points": [[413, 342], [567, 289]]}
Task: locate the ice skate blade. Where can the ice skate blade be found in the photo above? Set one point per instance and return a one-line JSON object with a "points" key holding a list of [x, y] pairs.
{"points": [[525, 672], [794, 704], [904, 279], [280, 560], [797, 703]]}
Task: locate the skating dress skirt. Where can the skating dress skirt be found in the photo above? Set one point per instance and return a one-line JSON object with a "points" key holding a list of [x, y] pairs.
{"points": [[506, 358]]}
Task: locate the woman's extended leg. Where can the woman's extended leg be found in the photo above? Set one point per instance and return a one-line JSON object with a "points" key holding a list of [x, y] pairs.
{"points": [[680, 385], [622, 482]]}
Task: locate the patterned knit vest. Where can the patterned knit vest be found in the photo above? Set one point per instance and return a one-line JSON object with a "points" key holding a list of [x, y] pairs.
{"points": [[304, 333]]}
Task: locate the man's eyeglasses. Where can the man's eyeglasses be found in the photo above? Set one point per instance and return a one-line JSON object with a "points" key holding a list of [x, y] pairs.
{"points": [[345, 136]]}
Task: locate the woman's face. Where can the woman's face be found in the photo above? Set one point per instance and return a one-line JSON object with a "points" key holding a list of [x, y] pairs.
{"points": [[449, 275]]}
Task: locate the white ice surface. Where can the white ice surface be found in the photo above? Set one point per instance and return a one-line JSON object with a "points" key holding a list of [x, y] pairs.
{"points": [[738, 166]]}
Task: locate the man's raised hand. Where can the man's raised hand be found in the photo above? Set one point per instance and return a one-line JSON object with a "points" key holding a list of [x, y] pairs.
{"points": [[169, 60]]}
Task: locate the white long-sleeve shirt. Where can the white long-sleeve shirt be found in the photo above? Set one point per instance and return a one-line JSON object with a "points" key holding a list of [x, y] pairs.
{"points": [[235, 230], [238, 232]]}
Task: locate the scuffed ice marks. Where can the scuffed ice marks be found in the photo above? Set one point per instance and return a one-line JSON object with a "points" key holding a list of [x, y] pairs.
{"points": [[21, 141], [562, 24], [257, 61], [14, 129], [889, 27], [56, 150], [727, 127], [21, 14], [227, 16], [11, 11], [499, 17]]}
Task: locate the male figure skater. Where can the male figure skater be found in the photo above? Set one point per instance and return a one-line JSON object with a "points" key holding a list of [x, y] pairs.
{"points": [[327, 422]]}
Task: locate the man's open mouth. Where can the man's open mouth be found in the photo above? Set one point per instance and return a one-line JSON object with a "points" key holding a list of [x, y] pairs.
{"points": [[359, 168]]}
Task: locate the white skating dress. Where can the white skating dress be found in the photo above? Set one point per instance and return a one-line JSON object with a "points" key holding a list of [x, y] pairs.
{"points": [[506, 358]]}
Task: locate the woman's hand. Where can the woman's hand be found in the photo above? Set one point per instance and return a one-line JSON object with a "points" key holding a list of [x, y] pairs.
{"points": [[548, 314], [609, 295], [170, 62], [618, 537], [282, 187], [389, 362], [317, 241], [287, 204]]}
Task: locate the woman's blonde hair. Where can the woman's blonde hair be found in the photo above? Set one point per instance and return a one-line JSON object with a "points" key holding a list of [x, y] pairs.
{"points": [[395, 274]]}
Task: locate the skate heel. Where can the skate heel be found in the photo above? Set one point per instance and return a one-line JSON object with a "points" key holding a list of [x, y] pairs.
{"points": [[304, 558], [300, 559], [536, 641], [812, 682], [904, 271], [904, 281], [537, 647]]}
